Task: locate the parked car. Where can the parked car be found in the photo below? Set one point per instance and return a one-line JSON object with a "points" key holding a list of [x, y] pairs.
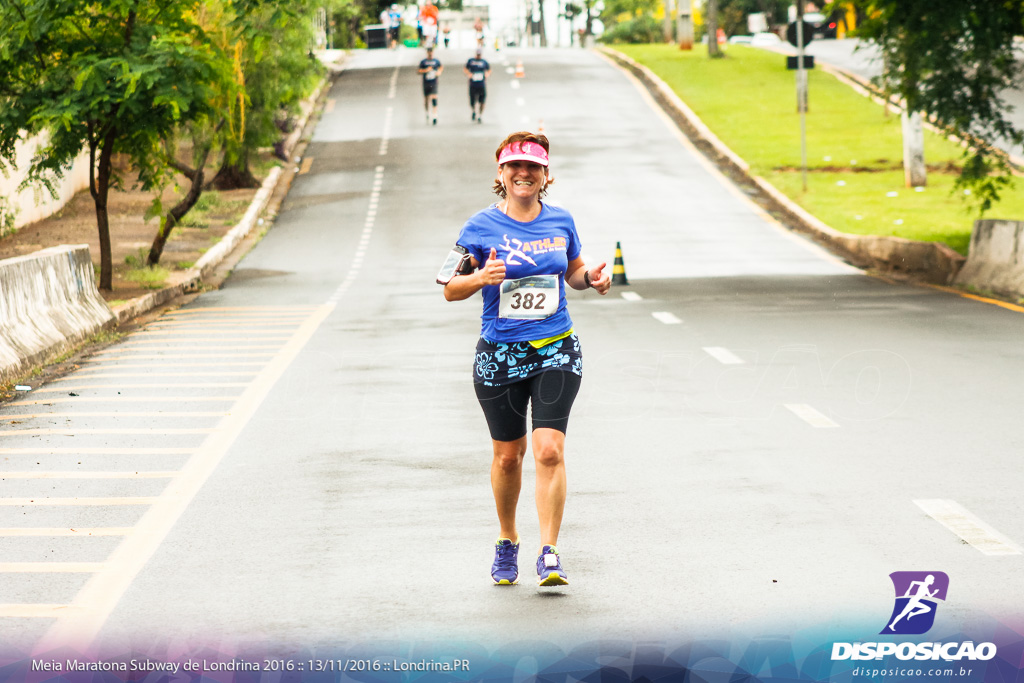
{"points": [[824, 27], [764, 39]]}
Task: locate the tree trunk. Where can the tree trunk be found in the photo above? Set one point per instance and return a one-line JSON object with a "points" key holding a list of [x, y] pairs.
{"points": [[712, 26], [543, 28], [100, 191], [914, 172], [667, 23], [235, 176], [179, 210]]}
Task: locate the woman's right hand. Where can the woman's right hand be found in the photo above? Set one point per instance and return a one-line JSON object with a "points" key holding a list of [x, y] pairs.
{"points": [[493, 272]]}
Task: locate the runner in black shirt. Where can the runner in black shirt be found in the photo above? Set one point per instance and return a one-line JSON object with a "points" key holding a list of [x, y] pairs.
{"points": [[430, 68], [478, 70]]}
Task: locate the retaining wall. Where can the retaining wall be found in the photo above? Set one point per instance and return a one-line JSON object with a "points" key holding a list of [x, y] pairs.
{"points": [[995, 261], [48, 304], [35, 203]]}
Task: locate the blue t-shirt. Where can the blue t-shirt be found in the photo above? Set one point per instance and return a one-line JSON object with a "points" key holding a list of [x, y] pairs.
{"points": [[477, 66], [543, 246]]}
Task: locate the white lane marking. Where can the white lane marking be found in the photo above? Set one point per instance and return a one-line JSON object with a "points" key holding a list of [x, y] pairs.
{"points": [[102, 592], [176, 385], [86, 531], [35, 611], [112, 413], [514, 84], [88, 474], [810, 415], [124, 399], [91, 373], [121, 430], [50, 567], [77, 502], [97, 451], [666, 317], [968, 527], [723, 355], [393, 85], [356, 263], [631, 296], [385, 135]]}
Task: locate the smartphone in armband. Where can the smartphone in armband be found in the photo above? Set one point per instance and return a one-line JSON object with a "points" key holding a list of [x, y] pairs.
{"points": [[457, 263]]}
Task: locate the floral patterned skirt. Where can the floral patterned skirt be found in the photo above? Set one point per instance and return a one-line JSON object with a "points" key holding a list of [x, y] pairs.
{"points": [[501, 363]]}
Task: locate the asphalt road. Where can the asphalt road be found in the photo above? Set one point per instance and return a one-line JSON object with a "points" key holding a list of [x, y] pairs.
{"points": [[297, 460]]}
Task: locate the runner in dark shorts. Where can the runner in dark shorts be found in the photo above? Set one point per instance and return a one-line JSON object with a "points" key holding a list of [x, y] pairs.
{"points": [[478, 71], [430, 69]]}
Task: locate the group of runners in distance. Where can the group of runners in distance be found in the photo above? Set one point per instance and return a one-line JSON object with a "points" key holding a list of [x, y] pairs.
{"points": [[477, 70]]}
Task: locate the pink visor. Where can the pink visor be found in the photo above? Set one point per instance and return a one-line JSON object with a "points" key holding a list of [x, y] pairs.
{"points": [[524, 151]]}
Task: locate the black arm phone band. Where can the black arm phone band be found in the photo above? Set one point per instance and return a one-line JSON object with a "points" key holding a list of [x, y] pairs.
{"points": [[458, 262]]}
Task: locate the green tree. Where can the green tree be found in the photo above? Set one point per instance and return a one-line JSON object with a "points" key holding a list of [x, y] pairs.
{"points": [[277, 69], [951, 60], [114, 77]]}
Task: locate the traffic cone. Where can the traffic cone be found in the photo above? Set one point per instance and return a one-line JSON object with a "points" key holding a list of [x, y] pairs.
{"points": [[619, 268], [520, 72]]}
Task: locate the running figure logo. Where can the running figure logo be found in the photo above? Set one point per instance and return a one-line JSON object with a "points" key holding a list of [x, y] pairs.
{"points": [[515, 252], [917, 594]]}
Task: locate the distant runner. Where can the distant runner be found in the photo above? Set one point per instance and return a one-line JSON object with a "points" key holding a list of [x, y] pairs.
{"points": [[478, 71], [431, 69]]}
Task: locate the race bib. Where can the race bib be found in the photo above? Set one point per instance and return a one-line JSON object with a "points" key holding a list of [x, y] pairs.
{"points": [[529, 298], [431, 75], [478, 77]]}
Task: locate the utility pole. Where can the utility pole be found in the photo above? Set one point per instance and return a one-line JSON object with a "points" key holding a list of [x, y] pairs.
{"points": [[801, 89], [684, 24]]}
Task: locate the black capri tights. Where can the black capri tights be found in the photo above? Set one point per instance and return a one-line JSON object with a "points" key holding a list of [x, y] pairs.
{"points": [[551, 394]]}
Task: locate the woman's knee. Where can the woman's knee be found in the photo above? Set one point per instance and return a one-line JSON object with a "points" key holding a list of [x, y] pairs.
{"points": [[548, 449], [508, 455]]}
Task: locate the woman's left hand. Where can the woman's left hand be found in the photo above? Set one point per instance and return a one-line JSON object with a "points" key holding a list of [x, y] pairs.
{"points": [[600, 280]]}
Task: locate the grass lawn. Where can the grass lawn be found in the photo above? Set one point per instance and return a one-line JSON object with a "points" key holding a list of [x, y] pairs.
{"points": [[854, 151]]}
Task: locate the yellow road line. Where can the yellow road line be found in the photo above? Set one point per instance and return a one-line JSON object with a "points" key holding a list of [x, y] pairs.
{"points": [[171, 356], [139, 366], [307, 163], [77, 502], [135, 341], [205, 329], [252, 309], [270, 322], [119, 430], [91, 374], [87, 531], [168, 385], [984, 299], [50, 567], [329, 105], [87, 474], [180, 413], [104, 590], [122, 399], [97, 451], [36, 611]]}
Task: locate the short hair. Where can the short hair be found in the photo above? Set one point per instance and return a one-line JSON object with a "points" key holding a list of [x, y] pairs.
{"points": [[522, 136]]}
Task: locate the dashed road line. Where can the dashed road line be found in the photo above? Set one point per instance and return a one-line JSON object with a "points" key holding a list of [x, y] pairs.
{"points": [[50, 567], [723, 355], [42, 532], [810, 415], [968, 527], [89, 474], [631, 296], [666, 317], [34, 611], [78, 502]]}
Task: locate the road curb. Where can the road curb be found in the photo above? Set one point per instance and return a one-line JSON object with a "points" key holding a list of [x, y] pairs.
{"points": [[192, 279], [931, 262]]}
